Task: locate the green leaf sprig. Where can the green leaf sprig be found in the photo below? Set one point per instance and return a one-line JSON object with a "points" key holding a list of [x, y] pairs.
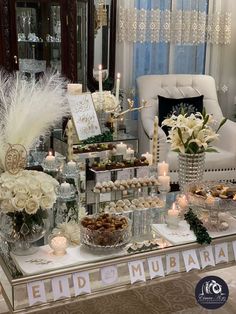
{"points": [[197, 227]]}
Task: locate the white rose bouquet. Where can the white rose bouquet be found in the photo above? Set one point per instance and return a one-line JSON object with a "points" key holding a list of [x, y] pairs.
{"points": [[192, 134], [25, 199], [27, 191], [108, 103]]}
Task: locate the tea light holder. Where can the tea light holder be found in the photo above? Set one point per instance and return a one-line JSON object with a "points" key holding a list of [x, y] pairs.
{"points": [[172, 218], [51, 165], [70, 170], [66, 191], [58, 243]]}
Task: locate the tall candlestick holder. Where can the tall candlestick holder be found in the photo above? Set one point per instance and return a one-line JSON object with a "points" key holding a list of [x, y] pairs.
{"points": [[70, 173], [67, 207], [163, 189], [153, 173]]}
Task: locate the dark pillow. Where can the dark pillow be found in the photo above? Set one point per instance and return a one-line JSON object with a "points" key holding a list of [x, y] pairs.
{"points": [[167, 106]]}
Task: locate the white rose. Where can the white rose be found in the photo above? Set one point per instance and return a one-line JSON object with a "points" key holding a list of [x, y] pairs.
{"points": [[5, 194], [21, 188], [43, 177], [19, 201], [36, 193], [6, 176], [7, 206], [8, 185], [31, 206], [46, 202], [34, 184], [47, 187]]}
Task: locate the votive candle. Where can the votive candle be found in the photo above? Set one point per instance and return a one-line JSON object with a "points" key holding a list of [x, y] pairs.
{"points": [[173, 212], [163, 167]]}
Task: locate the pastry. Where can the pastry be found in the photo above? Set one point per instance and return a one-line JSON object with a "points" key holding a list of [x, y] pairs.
{"points": [[127, 202]]}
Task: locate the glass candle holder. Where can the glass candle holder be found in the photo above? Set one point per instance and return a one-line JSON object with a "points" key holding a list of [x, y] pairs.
{"points": [[66, 191], [172, 221], [51, 164], [58, 243]]}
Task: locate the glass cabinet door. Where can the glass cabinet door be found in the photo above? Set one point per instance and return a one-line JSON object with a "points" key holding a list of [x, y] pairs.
{"points": [[38, 25], [81, 25]]}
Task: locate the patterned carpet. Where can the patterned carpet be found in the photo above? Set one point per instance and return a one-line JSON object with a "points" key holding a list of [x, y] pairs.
{"points": [[169, 297]]}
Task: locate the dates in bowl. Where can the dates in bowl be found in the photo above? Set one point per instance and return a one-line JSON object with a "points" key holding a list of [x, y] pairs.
{"points": [[105, 230]]}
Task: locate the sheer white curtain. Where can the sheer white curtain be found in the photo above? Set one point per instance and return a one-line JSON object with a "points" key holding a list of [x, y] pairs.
{"points": [[124, 53], [221, 61]]}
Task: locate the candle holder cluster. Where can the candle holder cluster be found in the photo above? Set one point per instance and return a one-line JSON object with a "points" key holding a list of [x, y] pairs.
{"points": [[51, 164]]}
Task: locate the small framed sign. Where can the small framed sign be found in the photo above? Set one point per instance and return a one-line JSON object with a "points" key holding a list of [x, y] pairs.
{"points": [[84, 115]]}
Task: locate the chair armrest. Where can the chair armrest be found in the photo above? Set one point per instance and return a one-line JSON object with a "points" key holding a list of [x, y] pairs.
{"points": [[227, 138], [147, 120]]}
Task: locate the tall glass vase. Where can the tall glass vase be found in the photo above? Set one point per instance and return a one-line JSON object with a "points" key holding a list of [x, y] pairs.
{"points": [[191, 168]]}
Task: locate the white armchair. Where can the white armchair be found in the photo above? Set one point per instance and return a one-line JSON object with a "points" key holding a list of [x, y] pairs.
{"points": [[220, 165]]}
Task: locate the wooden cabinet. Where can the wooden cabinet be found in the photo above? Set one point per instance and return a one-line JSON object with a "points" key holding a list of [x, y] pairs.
{"points": [[40, 34]]}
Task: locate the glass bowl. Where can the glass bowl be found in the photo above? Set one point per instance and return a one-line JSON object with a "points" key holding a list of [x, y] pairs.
{"points": [[105, 230], [212, 195]]}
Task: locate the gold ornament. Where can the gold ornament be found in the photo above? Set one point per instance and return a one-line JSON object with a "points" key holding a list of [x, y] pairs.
{"points": [[15, 159]]}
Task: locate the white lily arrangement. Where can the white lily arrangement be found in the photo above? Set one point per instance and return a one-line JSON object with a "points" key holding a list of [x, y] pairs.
{"points": [[192, 134], [27, 191]]}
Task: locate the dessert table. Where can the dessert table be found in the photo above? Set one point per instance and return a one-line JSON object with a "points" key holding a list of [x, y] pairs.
{"points": [[29, 283]]}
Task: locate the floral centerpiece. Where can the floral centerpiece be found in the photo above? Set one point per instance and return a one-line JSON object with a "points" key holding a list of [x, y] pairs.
{"points": [[191, 136], [28, 109], [25, 199], [106, 105], [106, 102]]}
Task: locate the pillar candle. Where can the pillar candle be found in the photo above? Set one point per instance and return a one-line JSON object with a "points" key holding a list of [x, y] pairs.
{"points": [[129, 153], [173, 212], [118, 87], [69, 133], [163, 167], [100, 79], [149, 158], [121, 149], [164, 181], [74, 89], [155, 141]]}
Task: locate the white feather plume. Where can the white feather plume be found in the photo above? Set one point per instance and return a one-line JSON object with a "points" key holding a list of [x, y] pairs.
{"points": [[29, 109]]}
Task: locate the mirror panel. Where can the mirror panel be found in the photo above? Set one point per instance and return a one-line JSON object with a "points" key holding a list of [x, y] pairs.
{"points": [[101, 42]]}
